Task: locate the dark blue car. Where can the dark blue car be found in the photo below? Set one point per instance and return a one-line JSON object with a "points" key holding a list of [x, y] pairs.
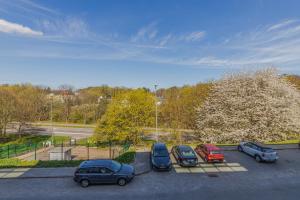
{"points": [[103, 171], [160, 158], [185, 156]]}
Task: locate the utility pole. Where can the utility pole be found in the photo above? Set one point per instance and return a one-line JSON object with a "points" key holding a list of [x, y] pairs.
{"points": [[51, 117], [156, 113]]}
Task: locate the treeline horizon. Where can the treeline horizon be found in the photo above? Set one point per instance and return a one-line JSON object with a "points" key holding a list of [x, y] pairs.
{"points": [[26, 103]]}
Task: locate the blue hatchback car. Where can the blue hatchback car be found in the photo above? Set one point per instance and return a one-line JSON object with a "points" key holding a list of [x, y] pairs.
{"points": [[103, 171], [160, 158]]}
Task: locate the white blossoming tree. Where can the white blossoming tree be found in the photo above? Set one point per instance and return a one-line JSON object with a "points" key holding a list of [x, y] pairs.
{"points": [[258, 106]]}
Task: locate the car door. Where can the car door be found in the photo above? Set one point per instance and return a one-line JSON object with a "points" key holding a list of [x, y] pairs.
{"points": [[107, 176], [251, 149], [93, 174], [256, 150], [246, 148]]}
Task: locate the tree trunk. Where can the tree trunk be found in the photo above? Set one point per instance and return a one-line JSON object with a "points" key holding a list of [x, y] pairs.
{"points": [[4, 130]]}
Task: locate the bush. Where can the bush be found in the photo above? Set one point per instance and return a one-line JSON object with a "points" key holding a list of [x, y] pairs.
{"points": [[127, 157]]}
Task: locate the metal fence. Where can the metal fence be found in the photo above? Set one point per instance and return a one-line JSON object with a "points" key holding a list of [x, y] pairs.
{"points": [[14, 150], [65, 150]]}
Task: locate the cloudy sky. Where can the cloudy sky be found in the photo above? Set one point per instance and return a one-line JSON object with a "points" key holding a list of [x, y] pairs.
{"points": [[138, 43]]}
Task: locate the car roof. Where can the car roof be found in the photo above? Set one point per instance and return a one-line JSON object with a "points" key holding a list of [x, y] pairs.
{"points": [[89, 163], [184, 147], [259, 145], [211, 147]]}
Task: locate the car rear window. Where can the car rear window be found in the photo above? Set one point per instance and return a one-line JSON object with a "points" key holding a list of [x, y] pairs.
{"points": [[215, 152]]}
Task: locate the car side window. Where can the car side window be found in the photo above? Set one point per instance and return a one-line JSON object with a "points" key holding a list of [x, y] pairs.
{"points": [[93, 170], [83, 170], [248, 145], [104, 170]]}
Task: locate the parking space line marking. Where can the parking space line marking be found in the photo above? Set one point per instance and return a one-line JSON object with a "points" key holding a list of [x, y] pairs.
{"points": [[233, 164], [239, 169], [196, 170], [224, 169]]}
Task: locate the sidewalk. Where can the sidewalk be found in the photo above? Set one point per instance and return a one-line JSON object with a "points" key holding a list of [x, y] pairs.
{"points": [[23, 173], [142, 162]]}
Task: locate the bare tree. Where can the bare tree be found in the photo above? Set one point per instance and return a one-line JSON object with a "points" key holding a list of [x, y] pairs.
{"points": [[67, 94], [7, 108]]}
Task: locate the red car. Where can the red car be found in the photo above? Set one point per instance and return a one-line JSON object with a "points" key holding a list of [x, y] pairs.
{"points": [[210, 153]]}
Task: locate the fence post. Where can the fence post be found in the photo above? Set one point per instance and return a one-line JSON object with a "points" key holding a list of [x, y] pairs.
{"points": [[110, 149], [88, 150], [35, 146], [7, 151], [62, 150]]}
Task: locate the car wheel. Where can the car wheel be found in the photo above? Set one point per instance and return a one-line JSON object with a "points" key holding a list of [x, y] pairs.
{"points": [[122, 182], [84, 183], [240, 149], [257, 158]]}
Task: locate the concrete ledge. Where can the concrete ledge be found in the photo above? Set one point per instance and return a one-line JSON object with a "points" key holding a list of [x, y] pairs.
{"points": [[274, 146]]}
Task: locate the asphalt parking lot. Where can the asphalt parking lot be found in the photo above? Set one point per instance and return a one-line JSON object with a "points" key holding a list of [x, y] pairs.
{"points": [[257, 181]]}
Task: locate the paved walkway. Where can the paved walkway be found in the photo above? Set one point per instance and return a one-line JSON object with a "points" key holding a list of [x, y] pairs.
{"points": [[142, 162]]}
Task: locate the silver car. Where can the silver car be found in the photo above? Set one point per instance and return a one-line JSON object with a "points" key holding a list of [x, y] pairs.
{"points": [[259, 152]]}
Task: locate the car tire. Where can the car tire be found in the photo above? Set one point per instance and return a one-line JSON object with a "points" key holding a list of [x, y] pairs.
{"points": [[258, 158], [240, 149], [122, 182], [84, 183]]}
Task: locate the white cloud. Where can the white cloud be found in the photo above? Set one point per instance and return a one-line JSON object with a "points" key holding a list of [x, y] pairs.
{"points": [[281, 24], [14, 28], [145, 33], [165, 39], [65, 27], [194, 36]]}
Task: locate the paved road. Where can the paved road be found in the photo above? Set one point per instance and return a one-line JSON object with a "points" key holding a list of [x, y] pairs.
{"points": [[77, 133], [261, 181]]}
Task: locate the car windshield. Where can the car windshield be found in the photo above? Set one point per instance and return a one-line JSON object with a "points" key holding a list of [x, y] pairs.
{"points": [[188, 153], [115, 166], [161, 153]]}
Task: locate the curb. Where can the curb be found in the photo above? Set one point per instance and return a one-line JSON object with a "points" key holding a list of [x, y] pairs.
{"points": [[143, 173], [234, 148], [37, 177]]}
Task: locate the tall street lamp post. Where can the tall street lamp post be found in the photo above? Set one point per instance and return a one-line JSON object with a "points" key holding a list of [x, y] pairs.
{"points": [[156, 113], [51, 117]]}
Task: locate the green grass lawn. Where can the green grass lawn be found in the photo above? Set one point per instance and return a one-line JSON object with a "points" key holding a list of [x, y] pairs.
{"points": [[27, 143]]}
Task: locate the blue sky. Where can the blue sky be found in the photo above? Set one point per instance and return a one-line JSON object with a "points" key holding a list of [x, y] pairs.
{"points": [[139, 43]]}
